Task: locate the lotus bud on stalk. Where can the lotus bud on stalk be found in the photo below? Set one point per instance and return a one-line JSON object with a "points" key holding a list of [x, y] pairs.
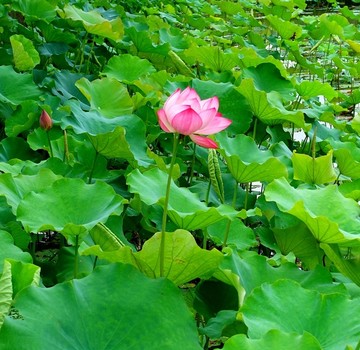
{"points": [[45, 120], [186, 114], [46, 123]]}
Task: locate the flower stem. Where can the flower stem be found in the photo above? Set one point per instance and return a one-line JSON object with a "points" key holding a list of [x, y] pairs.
{"points": [[66, 148], [93, 167], [255, 129], [227, 229], [50, 147], [205, 232], [192, 166], [166, 204], [76, 262], [247, 190]]}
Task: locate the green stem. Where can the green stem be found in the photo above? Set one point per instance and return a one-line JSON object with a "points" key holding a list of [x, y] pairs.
{"points": [[82, 52], [233, 203], [208, 193], [89, 58], [95, 261], [192, 166], [62, 241], [313, 144], [93, 167], [66, 148], [166, 204], [337, 179], [205, 232], [227, 229], [358, 346], [226, 235], [76, 262], [33, 247], [255, 129], [50, 147], [246, 195]]}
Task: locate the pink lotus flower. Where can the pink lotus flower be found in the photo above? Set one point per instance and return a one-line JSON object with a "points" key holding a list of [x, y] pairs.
{"points": [[185, 113]]}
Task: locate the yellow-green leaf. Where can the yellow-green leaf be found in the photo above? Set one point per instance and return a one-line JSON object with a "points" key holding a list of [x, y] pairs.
{"points": [[25, 55], [311, 170]]}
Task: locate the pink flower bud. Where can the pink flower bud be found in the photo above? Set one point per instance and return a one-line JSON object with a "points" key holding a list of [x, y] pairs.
{"points": [[185, 113], [45, 120]]}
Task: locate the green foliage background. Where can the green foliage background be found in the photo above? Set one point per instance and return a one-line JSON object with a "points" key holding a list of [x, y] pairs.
{"points": [[263, 246]]}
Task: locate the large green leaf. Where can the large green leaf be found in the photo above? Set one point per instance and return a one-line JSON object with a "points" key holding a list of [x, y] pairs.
{"points": [[351, 189], [6, 215], [145, 48], [16, 275], [328, 317], [94, 23], [111, 254], [311, 170], [268, 77], [129, 129], [14, 188], [304, 62], [91, 122], [175, 37], [308, 89], [106, 95], [23, 275], [36, 9], [65, 87], [252, 57], [331, 25], [9, 250], [6, 291], [65, 204], [213, 298], [127, 68], [286, 29], [246, 162], [297, 238], [185, 208], [115, 307], [267, 106], [16, 87], [212, 57], [254, 270], [63, 270], [184, 260], [241, 236], [114, 145], [331, 218], [225, 322], [347, 156], [22, 119], [25, 55], [348, 266], [274, 339], [16, 148]]}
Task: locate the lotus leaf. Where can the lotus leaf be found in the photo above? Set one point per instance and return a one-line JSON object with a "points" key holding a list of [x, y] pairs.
{"points": [[328, 317], [185, 208], [246, 162], [332, 218], [66, 204], [274, 339], [107, 310]]}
